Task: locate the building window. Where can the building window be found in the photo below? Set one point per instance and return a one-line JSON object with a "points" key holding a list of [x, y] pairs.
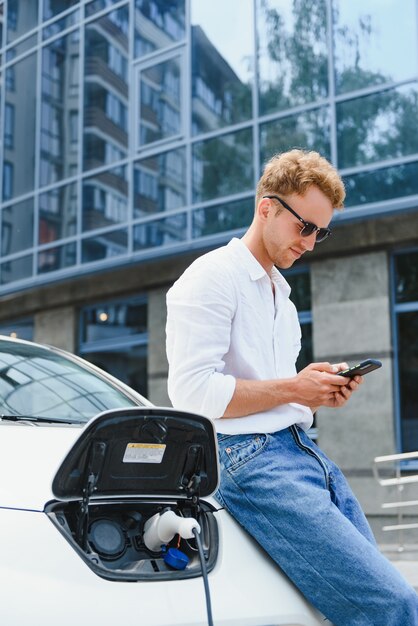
{"points": [[161, 107], [22, 329], [158, 24], [9, 125], [11, 78], [7, 180], [12, 15], [160, 183], [222, 80], [293, 70], [406, 348], [17, 227], [24, 102], [223, 165], [221, 218], [114, 336], [105, 199]]}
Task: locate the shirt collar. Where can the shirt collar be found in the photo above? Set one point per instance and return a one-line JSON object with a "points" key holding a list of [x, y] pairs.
{"points": [[257, 271]]}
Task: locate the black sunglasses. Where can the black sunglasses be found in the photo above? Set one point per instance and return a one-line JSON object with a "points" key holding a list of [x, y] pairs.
{"points": [[308, 228]]}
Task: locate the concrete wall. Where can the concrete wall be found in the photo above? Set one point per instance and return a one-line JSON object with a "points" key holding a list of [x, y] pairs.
{"points": [[57, 327], [351, 321], [157, 360]]}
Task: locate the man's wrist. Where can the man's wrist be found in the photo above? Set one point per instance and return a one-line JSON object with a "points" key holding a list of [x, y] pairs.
{"points": [[287, 390]]}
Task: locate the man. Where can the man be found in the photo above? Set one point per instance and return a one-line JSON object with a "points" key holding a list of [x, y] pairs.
{"points": [[232, 341]]}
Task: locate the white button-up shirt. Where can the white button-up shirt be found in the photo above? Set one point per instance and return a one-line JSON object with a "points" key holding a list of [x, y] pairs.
{"points": [[224, 323]]}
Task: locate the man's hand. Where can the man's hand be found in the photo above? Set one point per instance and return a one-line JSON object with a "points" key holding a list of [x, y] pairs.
{"points": [[344, 393], [318, 384]]}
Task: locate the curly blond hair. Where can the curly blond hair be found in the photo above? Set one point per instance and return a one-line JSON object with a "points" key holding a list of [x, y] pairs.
{"points": [[295, 171]]}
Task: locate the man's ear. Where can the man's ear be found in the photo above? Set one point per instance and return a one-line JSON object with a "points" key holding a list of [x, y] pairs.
{"points": [[263, 209]]}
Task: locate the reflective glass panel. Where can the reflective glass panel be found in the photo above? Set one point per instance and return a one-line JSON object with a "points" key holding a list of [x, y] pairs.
{"points": [[57, 258], [160, 109], [59, 109], [16, 269], [158, 24], [111, 320], [21, 18], [223, 165], [160, 183], [58, 213], [105, 246], [374, 42], [19, 161], [10, 77], [8, 177], [223, 63], [128, 365], [1, 24], [21, 47], [309, 130], [100, 151], [106, 89], [292, 54], [164, 232], [51, 8], [105, 199], [93, 6], [222, 218], [17, 227], [378, 127], [9, 125], [22, 329], [406, 267], [383, 184], [59, 25], [408, 376]]}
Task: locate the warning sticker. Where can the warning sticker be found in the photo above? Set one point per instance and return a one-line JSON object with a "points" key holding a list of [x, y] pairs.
{"points": [[144, 453]]}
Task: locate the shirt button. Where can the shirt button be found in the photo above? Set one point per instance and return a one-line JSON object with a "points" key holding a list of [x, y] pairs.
{"points": [[228, 450]]}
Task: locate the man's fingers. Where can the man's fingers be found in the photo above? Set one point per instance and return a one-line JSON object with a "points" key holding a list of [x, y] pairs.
{"points": [[354, 382], [334, 379], [321, 367], [340, 366]]}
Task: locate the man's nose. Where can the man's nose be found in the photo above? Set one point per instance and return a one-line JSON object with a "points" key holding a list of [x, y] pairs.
{"points": [[308, 243]]}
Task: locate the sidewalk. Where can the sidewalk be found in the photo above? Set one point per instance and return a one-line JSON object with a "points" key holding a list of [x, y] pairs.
{"points": [[406, 561]]}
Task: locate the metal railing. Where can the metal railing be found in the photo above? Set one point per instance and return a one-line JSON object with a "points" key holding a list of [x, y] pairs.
{"points": [[399, 477]]}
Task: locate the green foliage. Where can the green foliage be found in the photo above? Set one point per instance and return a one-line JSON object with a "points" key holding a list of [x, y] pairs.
{"points": [[227, 165]]}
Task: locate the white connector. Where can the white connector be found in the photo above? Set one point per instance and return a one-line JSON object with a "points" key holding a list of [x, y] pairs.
{"points": [[160, 529]]}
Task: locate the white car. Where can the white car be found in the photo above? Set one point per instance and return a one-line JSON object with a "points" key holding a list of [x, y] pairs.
{"points": [[106, 509]]}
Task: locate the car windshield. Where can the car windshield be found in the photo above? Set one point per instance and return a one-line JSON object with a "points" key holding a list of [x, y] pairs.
{"points": [[38, 382]]}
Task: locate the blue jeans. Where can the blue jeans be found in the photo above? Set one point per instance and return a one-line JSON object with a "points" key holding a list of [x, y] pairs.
{"points": [[297, 504]]}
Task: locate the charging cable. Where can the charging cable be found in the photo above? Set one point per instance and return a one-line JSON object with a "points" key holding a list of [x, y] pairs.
{"points": [[160, 529], [204, 575]]}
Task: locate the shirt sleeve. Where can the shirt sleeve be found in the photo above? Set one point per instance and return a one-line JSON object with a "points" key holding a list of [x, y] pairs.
{"points": [[200, 309]]}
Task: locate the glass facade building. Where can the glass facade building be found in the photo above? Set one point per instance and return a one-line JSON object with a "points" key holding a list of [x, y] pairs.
{"points": [[133, 133], [139, 128]]}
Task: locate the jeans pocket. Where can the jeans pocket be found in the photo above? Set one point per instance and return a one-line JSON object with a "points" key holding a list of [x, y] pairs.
{"points": [[235, 455]]}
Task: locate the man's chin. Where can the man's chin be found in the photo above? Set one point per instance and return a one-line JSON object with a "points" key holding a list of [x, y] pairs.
{"points": [[284, 264]]}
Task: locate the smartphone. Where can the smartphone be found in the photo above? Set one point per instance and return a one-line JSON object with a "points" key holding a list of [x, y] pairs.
{"points": [[361, 368]]}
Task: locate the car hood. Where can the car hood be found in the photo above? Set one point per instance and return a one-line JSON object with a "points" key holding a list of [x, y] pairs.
{"points": [[29, 459]]}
